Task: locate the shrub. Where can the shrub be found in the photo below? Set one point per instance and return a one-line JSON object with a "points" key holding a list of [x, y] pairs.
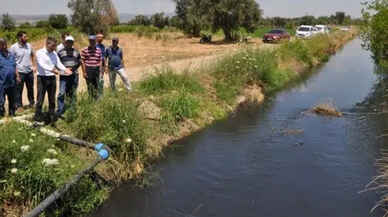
{"points": [[233, 73], [33, 182], [296, 49], [58, 21], [111, 120], [7, 23], [180, 105]]}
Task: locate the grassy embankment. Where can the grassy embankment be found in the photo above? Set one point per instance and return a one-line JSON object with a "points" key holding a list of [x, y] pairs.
{"points": [[137, 126]]}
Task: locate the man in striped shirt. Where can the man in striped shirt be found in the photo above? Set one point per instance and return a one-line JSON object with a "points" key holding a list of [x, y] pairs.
{"points": [[68, 84], [92, 67]]}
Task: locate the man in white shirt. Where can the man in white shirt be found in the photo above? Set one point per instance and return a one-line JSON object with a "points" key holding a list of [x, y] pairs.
{"points": [[49, 66], [24, 54]]}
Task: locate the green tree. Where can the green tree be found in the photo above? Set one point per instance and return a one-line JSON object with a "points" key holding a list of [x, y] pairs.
{"points": [[279, 21], [374, 31], [230, 15], [8, 23], [340, 17], [25, 25], [159, 20], [176, 22], [42, 24], [58, 21], [193, 15], [140, 20], [93, 16], [307, 20]]}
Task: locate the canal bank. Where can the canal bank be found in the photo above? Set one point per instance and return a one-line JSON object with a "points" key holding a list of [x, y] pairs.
{"points": [[161, 110], [251, 165]]}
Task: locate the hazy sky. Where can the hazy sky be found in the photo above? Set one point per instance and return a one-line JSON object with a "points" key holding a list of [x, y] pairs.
{"points": [[288, 8]]}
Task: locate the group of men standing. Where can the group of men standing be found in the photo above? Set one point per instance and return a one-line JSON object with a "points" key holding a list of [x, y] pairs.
{"points": [[17, 70]]}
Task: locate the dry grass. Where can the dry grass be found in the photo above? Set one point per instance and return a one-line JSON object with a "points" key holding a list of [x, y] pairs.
{"points": [[326, 109]]}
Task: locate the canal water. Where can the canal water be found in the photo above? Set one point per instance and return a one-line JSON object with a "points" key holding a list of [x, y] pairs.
{"points": [[275, 160]]}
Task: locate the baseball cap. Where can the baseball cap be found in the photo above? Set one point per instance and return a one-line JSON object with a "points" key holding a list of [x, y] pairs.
{"points": [[92, 37], [69, 38]]}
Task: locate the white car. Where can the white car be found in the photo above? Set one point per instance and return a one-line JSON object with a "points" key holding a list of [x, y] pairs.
{"points": [[305, 31], [322, 29]]}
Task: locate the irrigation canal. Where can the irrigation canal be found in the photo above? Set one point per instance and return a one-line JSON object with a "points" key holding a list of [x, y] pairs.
{"points": [[273, 160]]}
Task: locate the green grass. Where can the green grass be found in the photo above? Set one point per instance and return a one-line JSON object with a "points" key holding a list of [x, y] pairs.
{"points": [[250, 66], [112, 120], [150, 32], [180, 105], [33, 181], [166, 80]]}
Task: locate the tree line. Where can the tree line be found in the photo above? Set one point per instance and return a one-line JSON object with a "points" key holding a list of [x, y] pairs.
{"points": [[375, 29], [192, 17]]}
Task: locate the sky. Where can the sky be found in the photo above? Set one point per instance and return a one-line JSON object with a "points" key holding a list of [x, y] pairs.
{"points": [[284, 8]]}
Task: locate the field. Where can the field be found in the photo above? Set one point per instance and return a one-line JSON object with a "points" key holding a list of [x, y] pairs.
{"points": [[143, 52]]}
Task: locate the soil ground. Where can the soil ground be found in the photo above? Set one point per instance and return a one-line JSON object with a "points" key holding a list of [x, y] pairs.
{"points": [[142, 55]]}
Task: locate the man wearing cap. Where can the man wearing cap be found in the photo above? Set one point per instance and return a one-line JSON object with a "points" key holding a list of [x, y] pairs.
{"points": [[62, 44], [24, 55], [91, 57], [49, 65], [68, 84], [8, 77], [116, 65]]}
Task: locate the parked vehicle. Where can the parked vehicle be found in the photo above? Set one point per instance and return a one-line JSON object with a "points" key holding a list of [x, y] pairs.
{"points": [[276, 35], [305, 31], [322, 29]]}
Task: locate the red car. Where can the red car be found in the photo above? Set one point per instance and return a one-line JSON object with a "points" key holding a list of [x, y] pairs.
{"points": [[276, 35]]}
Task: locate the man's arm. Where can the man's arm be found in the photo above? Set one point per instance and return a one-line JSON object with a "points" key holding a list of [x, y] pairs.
{"points": [[61, 67], [33, 60], [122, 58], [79, 63], [17, 75], [83, 66]]}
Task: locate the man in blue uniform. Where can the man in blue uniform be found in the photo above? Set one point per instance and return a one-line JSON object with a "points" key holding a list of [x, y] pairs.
{"points": [[8, 77]]}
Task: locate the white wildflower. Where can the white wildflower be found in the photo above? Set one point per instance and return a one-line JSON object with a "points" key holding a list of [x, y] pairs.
{"points": [[13, 141], [33, 134], [31, 140], [129, 140], [50, 162], [25, 148], [124, 121], [17, 193], [14, 161], [52, 151], [14, 170]]}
